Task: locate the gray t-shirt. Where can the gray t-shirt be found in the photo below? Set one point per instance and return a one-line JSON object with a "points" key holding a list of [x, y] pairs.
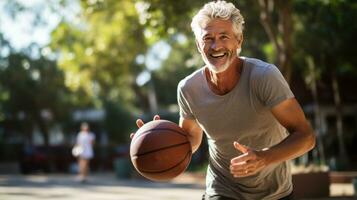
{"points": [[241, 115]]}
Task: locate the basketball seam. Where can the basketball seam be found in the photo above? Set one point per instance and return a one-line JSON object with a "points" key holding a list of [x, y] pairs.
{"points": [[158, 129], [154, 172], [162, 129], [159, 149]]}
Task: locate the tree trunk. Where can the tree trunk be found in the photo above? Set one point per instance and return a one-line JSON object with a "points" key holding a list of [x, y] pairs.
{"points": [[279, 36], [152, 98], [285, 29], [29, 133], [43, 128], [317, 113], [339, 119], [143, 100]]}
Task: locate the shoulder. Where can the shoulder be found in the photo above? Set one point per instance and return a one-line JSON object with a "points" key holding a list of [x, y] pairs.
{"points": [[260, 70], [191, 80], [258, 67]]}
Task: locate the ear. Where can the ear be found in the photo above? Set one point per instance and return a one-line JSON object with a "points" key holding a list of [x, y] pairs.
{"points": [[240, 39]]}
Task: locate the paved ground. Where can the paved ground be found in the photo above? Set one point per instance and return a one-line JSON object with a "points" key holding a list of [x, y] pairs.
{"points": [[103, 187], [108, 187]]}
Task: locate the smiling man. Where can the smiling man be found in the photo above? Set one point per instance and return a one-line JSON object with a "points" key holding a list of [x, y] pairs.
{"points": [[253, 123]]}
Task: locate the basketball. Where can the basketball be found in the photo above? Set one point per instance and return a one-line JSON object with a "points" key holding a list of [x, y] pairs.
{"points": [[160, 150]]}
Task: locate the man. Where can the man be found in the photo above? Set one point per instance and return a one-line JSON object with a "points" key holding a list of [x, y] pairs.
{"points": [[253, 123]]}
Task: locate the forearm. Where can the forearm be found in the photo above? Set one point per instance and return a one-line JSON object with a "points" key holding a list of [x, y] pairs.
{"points": [[293, 146], [301, 138], [195, 143], [194, 132], [194, 135]]}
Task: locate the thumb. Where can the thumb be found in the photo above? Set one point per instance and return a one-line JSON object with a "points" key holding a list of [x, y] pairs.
{"points": [[242, 148], [157, 117], [132, 135]]}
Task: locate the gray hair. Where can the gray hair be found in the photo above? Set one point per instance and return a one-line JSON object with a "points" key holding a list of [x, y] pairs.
{"points": [[217, 10]]}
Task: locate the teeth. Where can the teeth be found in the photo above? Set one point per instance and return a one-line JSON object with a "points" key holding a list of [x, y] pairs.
{"points": [[217, 54]]}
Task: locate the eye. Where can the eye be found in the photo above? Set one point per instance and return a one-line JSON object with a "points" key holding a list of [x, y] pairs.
{"points": [[207, 39], [224, 37]]}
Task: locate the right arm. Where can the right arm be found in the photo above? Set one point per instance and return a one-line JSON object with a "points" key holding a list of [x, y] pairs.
{"points": [[187, 121], [194, 131]]}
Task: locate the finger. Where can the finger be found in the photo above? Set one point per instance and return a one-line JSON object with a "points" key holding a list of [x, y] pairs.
{"points": [[241, 168], [244, 174], [240, 173], [243, 171], [250, 168], [238, 168], [132, 135], [240, 147], [156, 117], [139, 123], [242, 159]]}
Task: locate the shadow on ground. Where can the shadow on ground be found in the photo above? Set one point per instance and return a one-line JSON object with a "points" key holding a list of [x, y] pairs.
{"points": [[48, 181]]}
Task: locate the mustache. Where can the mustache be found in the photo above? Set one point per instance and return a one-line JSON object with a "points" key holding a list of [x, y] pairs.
{"points": [[221, 51]]}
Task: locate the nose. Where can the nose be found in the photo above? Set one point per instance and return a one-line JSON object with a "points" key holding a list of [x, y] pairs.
{"points": [[216, 45]]}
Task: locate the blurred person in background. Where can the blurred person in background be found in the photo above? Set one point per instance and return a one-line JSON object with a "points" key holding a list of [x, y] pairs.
{"points": [[84, 151]]}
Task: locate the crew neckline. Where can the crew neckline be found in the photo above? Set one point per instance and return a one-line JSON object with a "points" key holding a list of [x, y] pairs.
{"points": [[234, 88]]}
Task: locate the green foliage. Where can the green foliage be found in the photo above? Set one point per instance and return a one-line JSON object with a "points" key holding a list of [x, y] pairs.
{"points": [[119, 122], [30, 86], [171, 16], [326, 31], [255, 38], [269, 51], [98, 54]]}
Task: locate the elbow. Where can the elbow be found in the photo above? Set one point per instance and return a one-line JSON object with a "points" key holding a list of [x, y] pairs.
{"points": [[311, 140], [195, 146]]}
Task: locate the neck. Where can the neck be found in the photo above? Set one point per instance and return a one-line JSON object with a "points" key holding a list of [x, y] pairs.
{"points": [[224, 82]]}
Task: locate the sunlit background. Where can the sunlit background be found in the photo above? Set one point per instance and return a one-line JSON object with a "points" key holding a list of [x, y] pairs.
{"points": [[109, 62]]}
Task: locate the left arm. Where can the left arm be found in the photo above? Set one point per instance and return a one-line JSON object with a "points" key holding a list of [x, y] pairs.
{"points": [[300, 140]]}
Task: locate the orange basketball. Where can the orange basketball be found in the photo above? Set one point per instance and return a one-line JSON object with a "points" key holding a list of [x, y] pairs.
{"points": [[160, 150]]}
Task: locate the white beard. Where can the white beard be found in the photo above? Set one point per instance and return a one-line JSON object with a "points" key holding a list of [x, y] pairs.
{"points": [[216, 69], [221, 68]]}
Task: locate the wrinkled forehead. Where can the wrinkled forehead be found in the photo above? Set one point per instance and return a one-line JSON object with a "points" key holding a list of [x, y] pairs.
{"points": [[217, 26]]}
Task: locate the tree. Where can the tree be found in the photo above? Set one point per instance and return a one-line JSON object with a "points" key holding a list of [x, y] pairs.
{"points": [[34, 90], [280, 32], [325, 33], [98, 53]]}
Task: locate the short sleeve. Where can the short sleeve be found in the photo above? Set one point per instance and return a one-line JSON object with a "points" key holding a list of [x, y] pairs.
{"points": [[92, 136], [272, 87], [185, 111]]}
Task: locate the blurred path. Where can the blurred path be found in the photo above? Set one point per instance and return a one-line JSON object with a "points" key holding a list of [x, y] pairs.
{"points": [[99, 186], [108, 187]]}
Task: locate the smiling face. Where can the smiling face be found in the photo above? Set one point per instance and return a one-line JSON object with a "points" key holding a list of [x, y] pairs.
{"points": [[218, 45]]}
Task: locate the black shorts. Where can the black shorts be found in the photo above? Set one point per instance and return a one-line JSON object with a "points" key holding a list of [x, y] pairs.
{"points": [[219, 197]]}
